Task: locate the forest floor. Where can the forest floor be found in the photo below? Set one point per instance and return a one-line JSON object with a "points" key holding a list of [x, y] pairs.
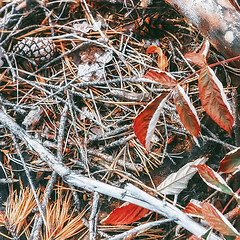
{"points": [[80, 102]]}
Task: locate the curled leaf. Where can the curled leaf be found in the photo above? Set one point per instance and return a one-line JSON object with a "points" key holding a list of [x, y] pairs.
{"points": [[214, 100], [145, 122], [186, 111], [162, 59], [217, 220], [125, 214]]}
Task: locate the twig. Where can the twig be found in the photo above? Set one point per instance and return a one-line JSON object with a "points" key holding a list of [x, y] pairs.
{"points": [[93, 216], [129, 193], [140, 228], [29, 179], [110, 159]]}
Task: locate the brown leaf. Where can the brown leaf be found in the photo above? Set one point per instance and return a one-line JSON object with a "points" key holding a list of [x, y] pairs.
{"points": [[145, 122], [162, 59], [161, 77], [186, 111], [217, 220], [214, 100], [193, 208], [199, 58], [231, 162]]}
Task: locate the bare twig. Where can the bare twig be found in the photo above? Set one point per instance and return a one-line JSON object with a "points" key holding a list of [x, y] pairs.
{"points": [[129, 193], [93, 216]]}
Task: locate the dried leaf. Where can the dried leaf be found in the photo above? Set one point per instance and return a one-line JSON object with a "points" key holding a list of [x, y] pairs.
{"points": [[145, 122], [231, 162], [125, 214], [186, 111], [33, 117], [162, 77], [178, 181], [217, 220], [162, 59], [194, 208], [214, 100], [199, 58], [213, 179]]}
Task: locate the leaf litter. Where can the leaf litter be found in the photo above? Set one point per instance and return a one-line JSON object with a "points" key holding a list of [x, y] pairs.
{"points": [[82, 102]]}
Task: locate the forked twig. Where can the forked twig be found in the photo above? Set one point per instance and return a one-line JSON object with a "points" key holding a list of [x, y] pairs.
{"points": [[129, 193]]}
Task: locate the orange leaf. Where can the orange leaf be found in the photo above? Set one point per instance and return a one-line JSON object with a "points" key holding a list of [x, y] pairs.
{"points": [[127, 213], [231, 162], [145, 122], [217, 220], [162, 59], [199, 58], [162, 77], [186, 111], [214, 100]]}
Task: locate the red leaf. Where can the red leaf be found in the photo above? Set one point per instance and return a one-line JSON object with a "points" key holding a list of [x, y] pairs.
{"points": [[162, 77], [213, 179], [217, 220], [230, 162], [162, 59], [186, 111], [127, 213], [214, 100], [145, 122], [194, 209], [199, 58]]}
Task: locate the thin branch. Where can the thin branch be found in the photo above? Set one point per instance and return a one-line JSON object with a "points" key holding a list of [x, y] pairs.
{"points": [[129, 193], [140, 228]]}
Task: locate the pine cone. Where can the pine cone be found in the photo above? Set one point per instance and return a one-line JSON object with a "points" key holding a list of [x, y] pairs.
{"points": [[36, 48], [149, 25]]}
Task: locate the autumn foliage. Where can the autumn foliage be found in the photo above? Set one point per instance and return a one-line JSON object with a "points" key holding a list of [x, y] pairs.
{"points": [[211, 94]]}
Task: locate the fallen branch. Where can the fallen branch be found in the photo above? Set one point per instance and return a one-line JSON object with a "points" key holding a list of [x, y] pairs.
{"points": [[129, 193]]}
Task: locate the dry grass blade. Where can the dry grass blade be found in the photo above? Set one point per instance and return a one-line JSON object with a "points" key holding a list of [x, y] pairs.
{"points": [[18, 208], [61, 223]]}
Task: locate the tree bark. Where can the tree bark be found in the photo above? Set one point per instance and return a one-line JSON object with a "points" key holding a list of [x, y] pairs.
{"points": [[218, 20]]}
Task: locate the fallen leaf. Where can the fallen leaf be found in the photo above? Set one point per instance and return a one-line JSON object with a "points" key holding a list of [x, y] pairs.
{"points": [[178, 181], [213, 179], [231, 162], [194, 208], [162, 59], [145, 123], [162, 77], [214, 100], [216, 219], [186, 111], [200, 57], [127, 213]]}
